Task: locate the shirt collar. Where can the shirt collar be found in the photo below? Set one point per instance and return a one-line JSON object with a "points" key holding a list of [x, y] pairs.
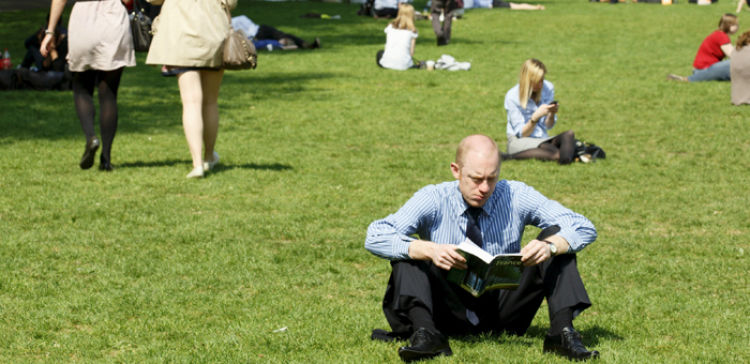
{"points": [[459, 205]]}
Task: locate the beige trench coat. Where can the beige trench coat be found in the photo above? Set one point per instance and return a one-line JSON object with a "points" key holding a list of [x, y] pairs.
{"points": [[189, 33]]}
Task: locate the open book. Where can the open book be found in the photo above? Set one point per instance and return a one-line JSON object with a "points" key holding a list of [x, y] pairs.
{"points": [[485, 272]]}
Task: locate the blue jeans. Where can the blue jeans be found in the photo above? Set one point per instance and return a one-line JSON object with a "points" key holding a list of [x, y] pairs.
{"points": [[718, 71]]}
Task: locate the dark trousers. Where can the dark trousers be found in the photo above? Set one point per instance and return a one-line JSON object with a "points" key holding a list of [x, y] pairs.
{"points": [[420, 283], [269, 32], [442, 31]]}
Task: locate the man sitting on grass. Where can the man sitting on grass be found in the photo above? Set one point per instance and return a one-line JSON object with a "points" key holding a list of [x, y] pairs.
{"points": [[420, 304]]}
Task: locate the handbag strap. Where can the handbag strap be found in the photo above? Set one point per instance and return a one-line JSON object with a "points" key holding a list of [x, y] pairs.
{"points": [[136, 7], [226, 9]]}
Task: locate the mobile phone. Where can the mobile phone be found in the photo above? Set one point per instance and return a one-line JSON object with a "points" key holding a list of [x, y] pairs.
{"points": [[554, 102]]}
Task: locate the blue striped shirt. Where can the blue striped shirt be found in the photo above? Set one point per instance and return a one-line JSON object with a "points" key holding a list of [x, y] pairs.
{"points": [[438, 213], [518, 116]]}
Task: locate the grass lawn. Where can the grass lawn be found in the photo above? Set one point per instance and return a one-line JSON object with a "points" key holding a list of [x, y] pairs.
{"points": [[143, 266]]}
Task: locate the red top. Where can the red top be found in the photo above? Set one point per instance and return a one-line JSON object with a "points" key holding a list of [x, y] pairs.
{"points": [[710, 50]]}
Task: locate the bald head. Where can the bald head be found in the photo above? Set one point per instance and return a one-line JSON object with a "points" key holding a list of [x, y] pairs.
{"points": [[476, 168], [477, 146]]}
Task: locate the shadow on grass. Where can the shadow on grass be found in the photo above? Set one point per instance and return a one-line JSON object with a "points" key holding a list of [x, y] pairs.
{"points": [[218, 168], [591, 336]]}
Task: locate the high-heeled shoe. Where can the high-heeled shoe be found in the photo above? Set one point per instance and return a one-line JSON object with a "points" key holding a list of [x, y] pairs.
{"points": [[209, 165], [197, 172], [87, 159]]}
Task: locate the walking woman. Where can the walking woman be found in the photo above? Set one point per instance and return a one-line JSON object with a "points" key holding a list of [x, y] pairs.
{"points": [[188, 39], [100, 45], [532, 111]]}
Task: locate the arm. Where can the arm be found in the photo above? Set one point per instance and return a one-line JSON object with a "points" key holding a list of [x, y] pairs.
{"points": [[728, 49], [444, 256], [544, 111], [518, 124], [739, 6], [551, 116], [56, 8], [576, 231], [538, 251], [411, 49], [391, 237]]}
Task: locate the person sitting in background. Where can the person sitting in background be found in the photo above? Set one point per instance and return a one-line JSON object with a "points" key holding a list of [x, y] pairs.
{"points": [[401, 37], [55, 59], [500, 4], [740, 71], [267, 32], [531, 112], [385, 8], [708, 64]]}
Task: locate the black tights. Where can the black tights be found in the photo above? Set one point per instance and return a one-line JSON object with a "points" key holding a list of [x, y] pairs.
{"points": [[106, 83], [561, 148]]}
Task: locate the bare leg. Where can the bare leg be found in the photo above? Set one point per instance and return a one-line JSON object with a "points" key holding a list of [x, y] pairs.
{"points": [[191, 93], [525, 6], [210, 83]]}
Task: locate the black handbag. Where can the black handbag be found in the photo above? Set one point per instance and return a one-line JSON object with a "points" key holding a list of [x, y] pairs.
{"points": [[588, 152], [140, 25]]}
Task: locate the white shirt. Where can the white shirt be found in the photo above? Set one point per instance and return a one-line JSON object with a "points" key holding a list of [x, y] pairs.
{"points": [[392, 4], [397, 54], [244, 23]]}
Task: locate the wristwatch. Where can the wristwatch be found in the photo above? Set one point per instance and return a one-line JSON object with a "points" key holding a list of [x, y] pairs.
{"points": [[47, 31], [552, 248]]}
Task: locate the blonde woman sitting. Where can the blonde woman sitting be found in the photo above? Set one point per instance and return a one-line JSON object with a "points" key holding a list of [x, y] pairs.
{"points": [[532, 111], [401, 37]]}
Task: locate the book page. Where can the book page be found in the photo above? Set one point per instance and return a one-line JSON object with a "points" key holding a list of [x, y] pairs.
{"points": [[471, 248]]}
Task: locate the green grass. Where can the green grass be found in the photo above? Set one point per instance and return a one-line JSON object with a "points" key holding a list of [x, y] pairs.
{"points": [[142, 265]]}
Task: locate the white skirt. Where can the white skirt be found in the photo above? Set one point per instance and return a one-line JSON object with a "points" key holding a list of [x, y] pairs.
{"points": [[99, 36]]}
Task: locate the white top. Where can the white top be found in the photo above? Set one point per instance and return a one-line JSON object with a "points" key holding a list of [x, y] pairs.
{"points": [[397, 54], [392, 4], [244, 23]]}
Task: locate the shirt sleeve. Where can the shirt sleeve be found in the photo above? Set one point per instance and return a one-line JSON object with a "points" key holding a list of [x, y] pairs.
{"points": [[542, 212], [516, 120], [548, 95], [390, 237]]}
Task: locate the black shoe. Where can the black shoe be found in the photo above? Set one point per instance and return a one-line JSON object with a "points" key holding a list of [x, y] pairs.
{"points": [[425, 344], [386, 336], [87, 160], [107, 167], [568, 344]]}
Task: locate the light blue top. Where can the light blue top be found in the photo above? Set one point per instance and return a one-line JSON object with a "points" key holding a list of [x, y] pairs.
{"points": [[438, 213], [518, 116]]}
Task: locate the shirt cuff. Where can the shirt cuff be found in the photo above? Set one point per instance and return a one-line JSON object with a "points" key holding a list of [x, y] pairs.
{"points": [[571, 236], [401, 249]]}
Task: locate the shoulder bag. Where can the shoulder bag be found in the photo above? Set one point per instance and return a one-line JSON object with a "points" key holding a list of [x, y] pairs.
{"points": [[239, 52], [140, 25]]}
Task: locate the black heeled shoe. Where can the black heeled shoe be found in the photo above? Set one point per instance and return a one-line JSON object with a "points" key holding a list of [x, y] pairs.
{"points": [[87, 160]]}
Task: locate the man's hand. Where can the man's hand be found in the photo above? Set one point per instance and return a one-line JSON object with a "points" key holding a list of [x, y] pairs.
{"points": [[535, 252], [444, 256]]}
